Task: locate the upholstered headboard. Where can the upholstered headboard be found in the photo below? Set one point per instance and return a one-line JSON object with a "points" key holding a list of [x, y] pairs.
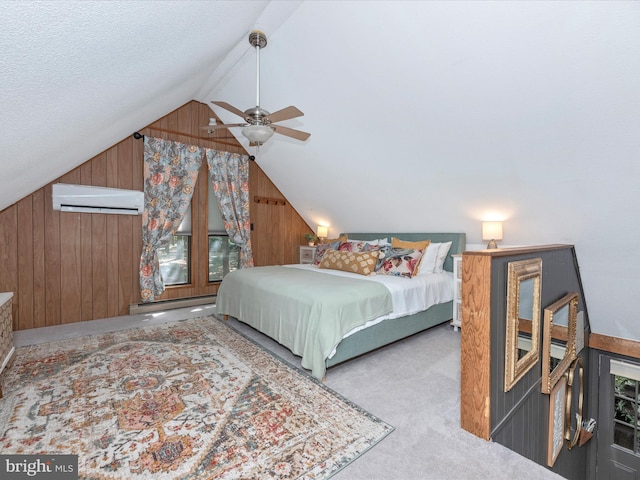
{"points": [[458, 241]]}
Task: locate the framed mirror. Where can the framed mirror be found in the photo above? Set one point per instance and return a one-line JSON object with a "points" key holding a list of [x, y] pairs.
{"points": [[558, 339], [523, 319]]}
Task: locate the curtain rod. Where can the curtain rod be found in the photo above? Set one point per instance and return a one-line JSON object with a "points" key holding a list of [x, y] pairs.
{"points": [[139, 136]]}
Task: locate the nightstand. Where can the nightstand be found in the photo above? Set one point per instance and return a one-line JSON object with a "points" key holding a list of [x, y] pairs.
{"points": [[456, 319], [307, 253]]}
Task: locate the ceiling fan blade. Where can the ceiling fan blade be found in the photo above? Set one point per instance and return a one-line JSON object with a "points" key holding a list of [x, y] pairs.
{"points": [[285, 114], [231, 108], [290, 132], [222, 125]]}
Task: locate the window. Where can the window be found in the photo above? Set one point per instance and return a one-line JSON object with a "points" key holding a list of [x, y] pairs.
{"points": [[175, 257], [626, 430], [174, 260], [224, 255]]}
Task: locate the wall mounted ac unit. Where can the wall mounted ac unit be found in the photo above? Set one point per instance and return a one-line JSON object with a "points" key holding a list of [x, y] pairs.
{"points": [[90, 199]]}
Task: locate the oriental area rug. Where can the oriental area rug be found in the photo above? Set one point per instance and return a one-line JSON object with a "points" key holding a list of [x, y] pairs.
{"points": [[186, 400]]}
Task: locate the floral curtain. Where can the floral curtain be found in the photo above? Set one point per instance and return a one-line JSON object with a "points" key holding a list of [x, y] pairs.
{"points": [[229, 176], [170, 174]]}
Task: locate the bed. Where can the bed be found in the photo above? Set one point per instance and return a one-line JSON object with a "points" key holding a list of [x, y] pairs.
{"points": [[328, 317]]}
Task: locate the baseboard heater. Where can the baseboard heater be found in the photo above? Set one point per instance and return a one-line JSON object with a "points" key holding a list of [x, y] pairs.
{"points": [[138, 308]]}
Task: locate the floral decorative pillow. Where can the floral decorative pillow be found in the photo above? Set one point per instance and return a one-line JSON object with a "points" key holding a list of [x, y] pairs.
{"points": [[363, 263], [346, 246], [385, 250], [418, 245], [400, 262], [322, 248], [352, 246], [362, 245]]}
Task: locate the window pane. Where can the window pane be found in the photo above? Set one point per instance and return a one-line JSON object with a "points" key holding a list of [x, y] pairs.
{"points": [[624, 411], [224, 257], [623, 436], [174, 260]]}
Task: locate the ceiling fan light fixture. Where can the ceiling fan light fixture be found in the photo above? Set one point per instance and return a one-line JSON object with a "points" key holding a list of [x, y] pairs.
{"points": [[257, 134], [259, 125]]}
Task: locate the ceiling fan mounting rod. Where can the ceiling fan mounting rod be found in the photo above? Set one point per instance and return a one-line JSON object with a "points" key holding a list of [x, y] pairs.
{"points": [[257, 76], [258, 40]]}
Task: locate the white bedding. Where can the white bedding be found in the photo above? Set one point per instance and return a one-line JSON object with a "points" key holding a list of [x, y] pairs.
{"points": [[409, 295]]}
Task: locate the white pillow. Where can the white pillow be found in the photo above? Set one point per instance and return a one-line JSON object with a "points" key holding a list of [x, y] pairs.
{"points": [[428, 262], [378, 241], [443, 251], [433, 258]]}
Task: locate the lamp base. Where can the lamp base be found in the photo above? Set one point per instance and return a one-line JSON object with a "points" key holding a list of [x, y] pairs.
{"points": [[492, 245]]}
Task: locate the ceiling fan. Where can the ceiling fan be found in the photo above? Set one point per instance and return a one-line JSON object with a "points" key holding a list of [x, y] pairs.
{"points": [[259, 125]]}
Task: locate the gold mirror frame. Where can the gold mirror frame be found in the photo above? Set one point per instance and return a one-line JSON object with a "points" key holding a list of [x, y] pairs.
{"points": [[572, 440], [553, 331], [519, 272]]}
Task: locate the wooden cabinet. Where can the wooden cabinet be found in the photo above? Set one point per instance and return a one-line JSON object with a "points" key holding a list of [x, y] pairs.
{"points": [[307, 254], [6, 331], [519, 417]]}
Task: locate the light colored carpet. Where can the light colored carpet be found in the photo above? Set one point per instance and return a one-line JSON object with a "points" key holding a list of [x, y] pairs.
{"points": [[414, 385]]}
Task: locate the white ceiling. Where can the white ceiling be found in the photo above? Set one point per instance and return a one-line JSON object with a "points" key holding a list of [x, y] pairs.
{"points": [[425, 116]]}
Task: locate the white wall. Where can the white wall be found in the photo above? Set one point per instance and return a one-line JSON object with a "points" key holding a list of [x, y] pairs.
{"points": [[434, 115]]}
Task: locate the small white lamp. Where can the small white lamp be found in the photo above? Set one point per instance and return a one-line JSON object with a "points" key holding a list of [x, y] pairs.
{"points": [[322, 232], [492, 231]]}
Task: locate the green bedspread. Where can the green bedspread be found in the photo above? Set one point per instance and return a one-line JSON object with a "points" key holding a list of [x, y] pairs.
{"points": [[307, 312]]}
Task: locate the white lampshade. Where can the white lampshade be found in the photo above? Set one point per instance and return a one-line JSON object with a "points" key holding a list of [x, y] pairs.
{"points": [[492, 231], [322, 231], [257, 134]]}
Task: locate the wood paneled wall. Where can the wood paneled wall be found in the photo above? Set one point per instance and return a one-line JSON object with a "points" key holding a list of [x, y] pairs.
{"points": [[69, 267]]}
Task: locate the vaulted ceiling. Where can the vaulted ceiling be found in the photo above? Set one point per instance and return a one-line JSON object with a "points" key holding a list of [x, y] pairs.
{"points": [[425, 116]]}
